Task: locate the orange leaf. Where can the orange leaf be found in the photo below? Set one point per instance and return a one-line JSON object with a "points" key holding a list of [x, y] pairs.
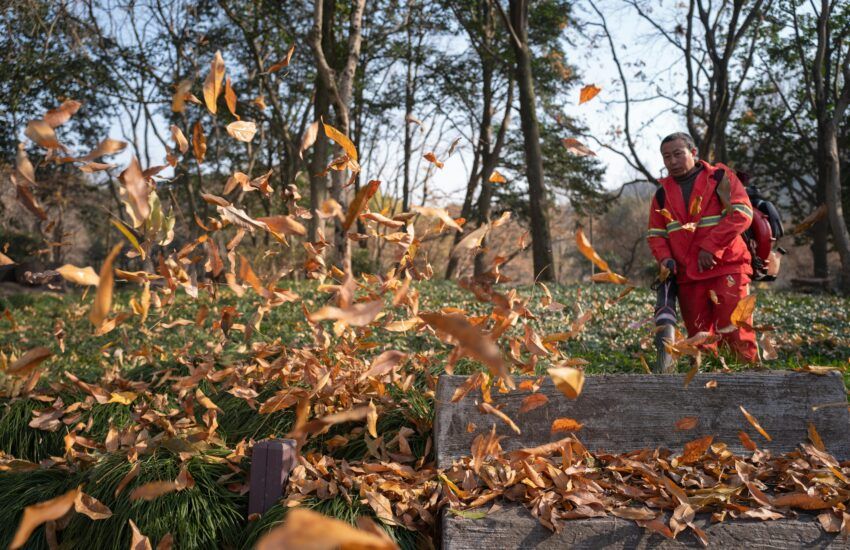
{"points": [[36, 514], [490, 409], [138, 190], [568, 380], [814, 437], [585, 248], [284, 62], [139, 542], [103, 297], [341, 140], [178, 100], [242, 130], [431, 157], [587, 93], [308, 139], [566, 425], [696, 203], [609, 277], [152, 490], [751, 419], [356, 315], [212, 84], [230, 98], [60, 115], [748, 443], [179, 138], [687, 423], [199, 142], [359, 203], [439, 213], [42, 134], [91, 507], [743, 311], [532, 402], [695, 449], [304, 528], [27, 362], [496, 177], [577, 148]]}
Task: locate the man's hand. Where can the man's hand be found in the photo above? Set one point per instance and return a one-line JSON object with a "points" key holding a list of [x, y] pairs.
{"points": [[705, 260]]}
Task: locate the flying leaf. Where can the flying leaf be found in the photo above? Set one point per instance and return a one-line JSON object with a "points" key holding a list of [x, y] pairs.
{"points": [[566, 425], [304, 528], [178, 100], [283, 62], [108, 146], [152, 490], [609, 277], [431, 157], [356, 315], [179, 139], [138, 190], [122, 397], [27, 362], [695, 449], [129, 236], [230, 98], [212, 84], [587, 93], [585, 248], [751, 419], [439, 213], [80, 275], [103, 298], [199, 142], [309, 138], [242, 130], [577, 148], [743, 311], [687, 423], [372, 420], [490, 409], [341, 140], [42, 134], [496, 177], [284, 225], [568, 380], [820, 213], [36, 514], [360, 201], [472, 241], [62, 114], [532, 402]]}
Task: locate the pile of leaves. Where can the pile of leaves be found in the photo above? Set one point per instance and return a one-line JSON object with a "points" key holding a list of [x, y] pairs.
{"points": [[153, 440]]}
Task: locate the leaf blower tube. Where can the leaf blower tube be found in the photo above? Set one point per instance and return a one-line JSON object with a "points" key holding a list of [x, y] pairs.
{"points": [[665, 322]]}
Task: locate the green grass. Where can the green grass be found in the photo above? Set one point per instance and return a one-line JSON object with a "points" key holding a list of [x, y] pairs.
{"points": [[809, 330]]}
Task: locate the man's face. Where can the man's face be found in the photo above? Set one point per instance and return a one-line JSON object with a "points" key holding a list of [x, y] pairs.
{"points": [[678, 158]]}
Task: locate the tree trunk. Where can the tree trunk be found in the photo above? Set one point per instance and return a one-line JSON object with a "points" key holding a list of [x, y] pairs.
{"points": [[541, 241], [318, 184], [829, 173]]}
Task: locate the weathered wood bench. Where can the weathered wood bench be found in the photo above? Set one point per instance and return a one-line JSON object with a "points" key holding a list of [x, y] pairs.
{"points": [[271, 462], [623, 413]]}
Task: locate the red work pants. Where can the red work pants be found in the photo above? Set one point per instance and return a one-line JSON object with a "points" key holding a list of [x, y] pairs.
{"points": [[701, 314]]}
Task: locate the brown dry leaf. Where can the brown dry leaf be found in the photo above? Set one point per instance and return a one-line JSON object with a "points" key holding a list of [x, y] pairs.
{"points": [[472, 241], [496, 177], [103, 297], [566, 425], [609, 277], [587, 93], [62, 114], [696, 204], [687, 423], [309, 138], [212, 84], [382, 506], [814, 437], [695, 449], [577, 148], [585, 248], [27, 362], [460, 331], [178, 100], [751, 419], [532, 402], [568, 380], [359, 203], [138, 190], [36, 514], [139, 542], [820, 213], [383, 364], [199, 142], [230, 98], [106, 147], [305, 529], [356, 315], [629, 512], [743, 310], [166, 542], [432, 158], [284, 225], [372, 420], [748, 443], [91, 507], [439, 213], [152, 490], [242, 130], [802, 501], [487, 408], [341, 140], [283, 62], [711, 384], [80, 275], [179, 139], [713, 296], [42, 134]]}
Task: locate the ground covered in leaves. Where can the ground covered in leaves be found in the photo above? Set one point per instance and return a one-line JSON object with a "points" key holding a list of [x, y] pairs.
{"points": [[148, 428]]}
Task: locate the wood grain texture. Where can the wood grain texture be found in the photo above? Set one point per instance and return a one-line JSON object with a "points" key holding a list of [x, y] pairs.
{"points": [[623, 413], [514, 527], [626, 412]]}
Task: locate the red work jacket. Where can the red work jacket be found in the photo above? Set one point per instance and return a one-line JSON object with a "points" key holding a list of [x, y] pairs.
{"points": [[679, 235]]}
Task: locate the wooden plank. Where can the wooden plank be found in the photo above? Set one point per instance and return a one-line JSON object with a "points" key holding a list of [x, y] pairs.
{"points": [[626, 412], [257, 491], [623, 413], [271, 462], [514, 527]]}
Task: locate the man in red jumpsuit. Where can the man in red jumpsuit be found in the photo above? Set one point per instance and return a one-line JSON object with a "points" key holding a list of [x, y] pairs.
{"points": [[697, 235]]}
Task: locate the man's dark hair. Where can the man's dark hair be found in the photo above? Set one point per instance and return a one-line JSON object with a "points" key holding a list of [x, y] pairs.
{"points": [[689, 141]]}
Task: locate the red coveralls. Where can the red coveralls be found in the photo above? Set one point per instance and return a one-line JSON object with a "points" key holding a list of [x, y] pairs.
{"points": [[718, 232]]}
